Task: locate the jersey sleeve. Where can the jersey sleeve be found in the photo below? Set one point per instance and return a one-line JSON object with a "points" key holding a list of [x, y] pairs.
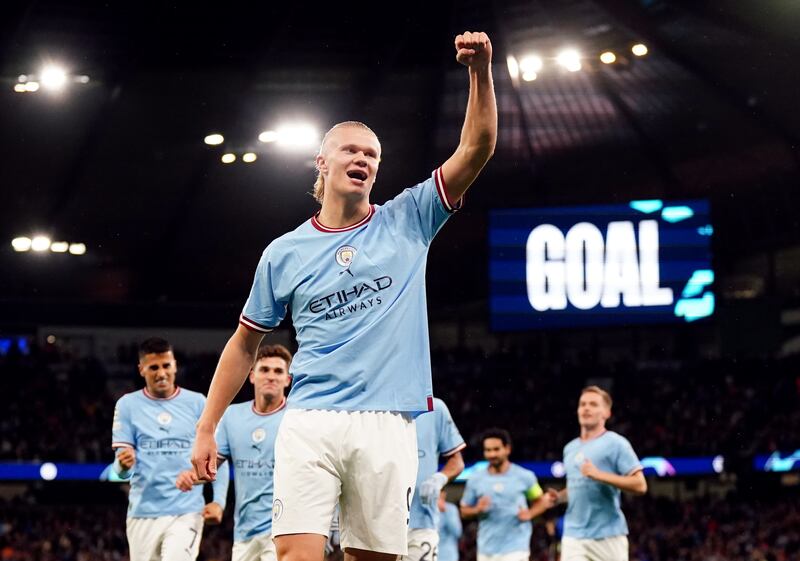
{"points": [[219, 486], [122, 431], [450, 439], [532, 488], [223, 444], [424, 207], [470, 496], [271, 291], [627, 462]]}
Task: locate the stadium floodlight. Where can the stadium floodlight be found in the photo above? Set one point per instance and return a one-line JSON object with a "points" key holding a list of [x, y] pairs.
{"points": [[268, 136], [249, 157], [214, 139], [77, 248], [529, 76], [53, 78], [20, 88], [82, 79], [48, 471], [569, 59], [228, 158], [639, 49], [31, 86], [608, 57], [22, 78], [59, 247], [531, 63], [40, 243], [21, 244], [298, 136], [513, 67]]}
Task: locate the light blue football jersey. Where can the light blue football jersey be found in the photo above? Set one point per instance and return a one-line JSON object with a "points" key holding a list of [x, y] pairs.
{"points": [[500, 530], [449, 528], [357, 299], [593, 510], [162, 433], [437, 435], [247, 439]]}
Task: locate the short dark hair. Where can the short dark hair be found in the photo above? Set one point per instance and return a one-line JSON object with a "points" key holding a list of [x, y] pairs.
{"points": [[266, 351], [154, 345], [599, 391], [494, 432]]}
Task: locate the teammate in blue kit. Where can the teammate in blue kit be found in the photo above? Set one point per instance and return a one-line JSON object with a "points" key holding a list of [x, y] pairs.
{"points": [[449, 528], [152, 436], [354, 279], [505, 497], [246, 437], [437, 435], [600, 464]]}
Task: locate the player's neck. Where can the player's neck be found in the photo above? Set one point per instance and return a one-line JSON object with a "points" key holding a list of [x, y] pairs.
{"points": [[588, 433], [338, 212], [502, 468], [267, 404]]}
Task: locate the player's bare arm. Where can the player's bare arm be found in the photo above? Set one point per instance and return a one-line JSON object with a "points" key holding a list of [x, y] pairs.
{"points": [[634, 483], [234, 365], [479, 133]]}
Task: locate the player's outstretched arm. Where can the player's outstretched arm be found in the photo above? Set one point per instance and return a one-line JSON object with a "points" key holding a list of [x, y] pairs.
{"points": [[235, 363], [479, 133]]}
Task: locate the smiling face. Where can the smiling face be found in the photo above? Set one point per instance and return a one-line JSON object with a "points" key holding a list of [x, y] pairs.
{"points": [[158, 371], [348, 162]]}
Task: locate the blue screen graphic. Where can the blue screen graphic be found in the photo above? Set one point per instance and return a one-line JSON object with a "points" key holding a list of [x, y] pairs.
{"points": [[644, 262]]}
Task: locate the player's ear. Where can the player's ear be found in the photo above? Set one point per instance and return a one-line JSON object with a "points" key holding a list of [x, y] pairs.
{"points": [[252, 376], [321, 165]]}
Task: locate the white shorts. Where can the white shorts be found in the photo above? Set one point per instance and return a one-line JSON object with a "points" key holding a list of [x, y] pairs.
{"points": [[364, 460], [257, 548], [166, 538], [423, 545], [510, 556], [614, 548]]}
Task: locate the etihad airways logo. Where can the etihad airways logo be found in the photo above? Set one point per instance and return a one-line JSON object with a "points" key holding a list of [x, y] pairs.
{"points": [[342, 302]]}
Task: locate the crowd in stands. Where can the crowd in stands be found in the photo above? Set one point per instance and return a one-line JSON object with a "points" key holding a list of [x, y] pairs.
{"points": [[733, 408]]}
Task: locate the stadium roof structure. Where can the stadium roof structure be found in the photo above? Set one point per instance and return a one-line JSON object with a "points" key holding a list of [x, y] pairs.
{"points": [[119, 163]]}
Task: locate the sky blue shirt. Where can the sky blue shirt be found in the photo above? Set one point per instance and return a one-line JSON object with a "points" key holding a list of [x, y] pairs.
{"points": [[161, 430], [593, 511], [357, 299], [437, 435], [449, 528], [247, 439], [499, 529]]}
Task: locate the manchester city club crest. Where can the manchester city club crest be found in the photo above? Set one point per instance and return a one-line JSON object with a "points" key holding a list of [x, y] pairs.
{"points": [[164, 418], [258, 435], [345, 255]]}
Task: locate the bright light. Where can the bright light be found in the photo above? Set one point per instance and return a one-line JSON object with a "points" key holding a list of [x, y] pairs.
{"points": [[20, 88], [83, 79], [298, 136], [530, 64], [529, 76], [48, 471], [22, 78], [59, 247], [77, 248], [249, 158], [21, 244], [40, 243], [53, 78], [228, 158], [214, 139], [639, 49], [608, 57], [513, 67], [31, 86], [268, 136], [569, 59]]}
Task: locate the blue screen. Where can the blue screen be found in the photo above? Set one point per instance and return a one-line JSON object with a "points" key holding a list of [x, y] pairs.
{"points": [[647, 261]]}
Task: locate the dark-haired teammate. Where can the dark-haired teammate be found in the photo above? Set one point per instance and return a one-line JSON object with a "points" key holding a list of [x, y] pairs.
{"points": [[152, 435], [505, 498]]}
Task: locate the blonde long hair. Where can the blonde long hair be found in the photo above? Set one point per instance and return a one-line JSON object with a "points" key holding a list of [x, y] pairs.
{"points": [[319, 184]]}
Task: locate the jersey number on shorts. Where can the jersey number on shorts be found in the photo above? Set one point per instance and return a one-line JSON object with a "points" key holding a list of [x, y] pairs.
{"points": [[428, 549]]}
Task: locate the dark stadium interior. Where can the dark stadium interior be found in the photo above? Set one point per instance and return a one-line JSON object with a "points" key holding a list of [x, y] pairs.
{"points": [[173, 235]]}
